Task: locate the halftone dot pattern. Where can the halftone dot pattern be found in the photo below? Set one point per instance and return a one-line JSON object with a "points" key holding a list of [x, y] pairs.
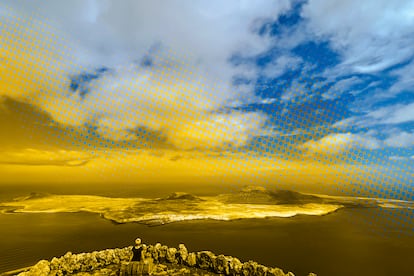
{"points": [[35, 64]]}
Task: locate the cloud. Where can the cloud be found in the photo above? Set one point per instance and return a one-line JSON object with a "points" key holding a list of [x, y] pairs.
{"points": [[280, 65], [297, 92], [233, 129], [392, 138], [268, 100], [340, 143], [370, 36], [37, 157], [371, 85], [388, 115], [401, 139], [394, 114], [166, 65], [400, 158], [405, 80], [341, 87]]}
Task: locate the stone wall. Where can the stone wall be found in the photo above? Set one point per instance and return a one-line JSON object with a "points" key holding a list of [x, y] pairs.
{"points": [[159, 254]]}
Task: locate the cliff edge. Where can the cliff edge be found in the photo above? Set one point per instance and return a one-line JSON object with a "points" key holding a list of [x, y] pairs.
{"points": [[158, 260]]}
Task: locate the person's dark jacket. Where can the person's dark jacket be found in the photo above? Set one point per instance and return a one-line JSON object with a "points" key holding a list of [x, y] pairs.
{"points": [[136, 253]]}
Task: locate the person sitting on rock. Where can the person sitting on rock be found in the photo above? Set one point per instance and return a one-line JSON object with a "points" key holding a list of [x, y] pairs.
{"points": [[137, 251]]}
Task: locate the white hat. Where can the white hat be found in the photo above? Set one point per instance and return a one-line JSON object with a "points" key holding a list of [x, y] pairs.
{"points": [[138, 241]]}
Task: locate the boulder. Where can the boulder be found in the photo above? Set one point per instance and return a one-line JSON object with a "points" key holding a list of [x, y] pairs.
{"points": [[235, 266], [275, 272], [205, 260], [261, 269], [156, 252], [42, 268], [249, 268], [191, 259], [221, 265], [162, 253], [182, 253], [171, 255]]}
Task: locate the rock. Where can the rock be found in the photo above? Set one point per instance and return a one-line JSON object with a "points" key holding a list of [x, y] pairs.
{"points": [[275, 272], [42, 268], [148, 252], [171, 255], [159, 273], [162, 253], [54, 263], [249, 268], [205, 260], [261, 269], [221, 265], [160, 267], [156, 252], [74, 263], [235, 266], [147, 267], [116, 262], [183, 271], [182, 253], [191, 259]]}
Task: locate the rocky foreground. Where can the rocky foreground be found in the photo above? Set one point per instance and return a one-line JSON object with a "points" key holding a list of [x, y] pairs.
{"points": [[159, 260]]}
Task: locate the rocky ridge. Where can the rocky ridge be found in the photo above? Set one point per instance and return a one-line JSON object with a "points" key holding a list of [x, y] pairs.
{"points": [[160, 260]]}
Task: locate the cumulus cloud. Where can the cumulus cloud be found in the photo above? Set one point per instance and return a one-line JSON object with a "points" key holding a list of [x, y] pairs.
{"points": [[388, 115], [235, 129], [36, 157], [392, 138], [401, 139], [163, 65], [394, 114], [370, 35], [340, 143]]}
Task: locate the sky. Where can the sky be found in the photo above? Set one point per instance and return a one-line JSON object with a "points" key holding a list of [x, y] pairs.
{"points": [[311, 90]]}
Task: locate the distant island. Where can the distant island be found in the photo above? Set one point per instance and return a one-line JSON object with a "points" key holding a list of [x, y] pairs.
{"points": [[248, 203]]}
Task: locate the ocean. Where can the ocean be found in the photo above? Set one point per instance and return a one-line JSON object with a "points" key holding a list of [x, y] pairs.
{"points": [[350, 241]]}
